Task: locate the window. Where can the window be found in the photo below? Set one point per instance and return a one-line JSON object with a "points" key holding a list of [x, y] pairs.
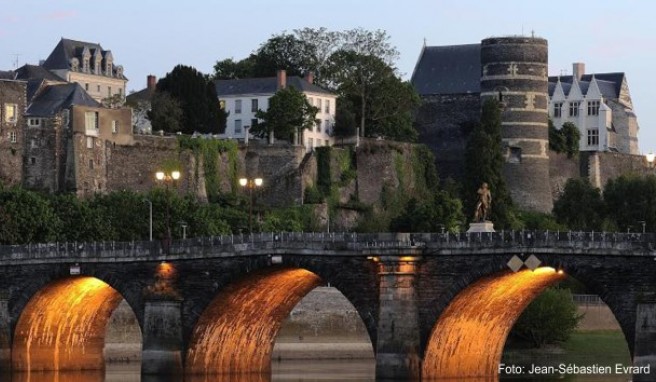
{"points": [[120, 92], [237, 126], [574, 109], [91, 164], [114, 127], [593, 137], [558, 109], [319, 104], [86, 87], [89, 142], [33, 122], [238, 106], [91, 122], [254, 122], [33, 144], [327, 106], [254, 105], [98, 87], [33, 160], [318, 125], [12, 137], [109, 91], [326, 126], [10, 112], [593, 107], [311, 101]]}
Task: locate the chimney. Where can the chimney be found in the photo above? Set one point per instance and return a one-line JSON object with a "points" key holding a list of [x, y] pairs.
{"points": [[282, 79], [578, 70], [309, 77], [151, 82]]}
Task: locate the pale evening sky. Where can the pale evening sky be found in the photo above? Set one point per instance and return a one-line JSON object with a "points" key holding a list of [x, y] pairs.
{"points": [[152, 36]]}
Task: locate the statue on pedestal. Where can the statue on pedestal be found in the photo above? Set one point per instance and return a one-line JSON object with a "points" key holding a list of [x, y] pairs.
{"points": [[484, 203]]}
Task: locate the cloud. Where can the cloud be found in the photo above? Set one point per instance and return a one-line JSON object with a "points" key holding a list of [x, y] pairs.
{"points": [[60, 15]]}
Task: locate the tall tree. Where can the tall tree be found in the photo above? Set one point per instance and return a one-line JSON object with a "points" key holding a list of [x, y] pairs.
{"points": [[284, 51], [229, 69], [197, 96], [165, 113], [289, 112], [580, 207], [484, 163]]}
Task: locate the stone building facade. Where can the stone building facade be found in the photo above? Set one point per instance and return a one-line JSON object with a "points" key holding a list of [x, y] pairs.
{"points": [[13, 99]]}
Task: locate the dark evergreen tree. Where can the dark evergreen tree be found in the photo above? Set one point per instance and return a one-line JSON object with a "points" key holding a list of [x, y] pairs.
{"points": [[580, 207], [197, 96], [484, 163]]}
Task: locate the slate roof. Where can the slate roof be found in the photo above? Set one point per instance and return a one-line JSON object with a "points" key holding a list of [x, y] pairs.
{"points": [[267, 85], [7, 75], [610, 84], [60, 57], [29, 72], [57, 97], [144, 94], [451, 69]]}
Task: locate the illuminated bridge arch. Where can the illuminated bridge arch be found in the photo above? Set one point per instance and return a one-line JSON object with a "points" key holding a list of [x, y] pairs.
{"points": [[236, 331], [477, 314], [62, 325]]}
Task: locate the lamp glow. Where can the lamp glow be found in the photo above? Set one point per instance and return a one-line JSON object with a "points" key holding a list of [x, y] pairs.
{"points": [[258, 182], [159, 175], [243, 182]]}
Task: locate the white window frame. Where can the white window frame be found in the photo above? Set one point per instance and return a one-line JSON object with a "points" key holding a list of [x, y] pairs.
{"points": [[238, 126], [574, 109], [593, 107], [89, 142], [254, 105], [13, 137], [237, 106], [114, 127], [327, 110], [34, 122], [593, 137], [91, 123], [558, 110]]}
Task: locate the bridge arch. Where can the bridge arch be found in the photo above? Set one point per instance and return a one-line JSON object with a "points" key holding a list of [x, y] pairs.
{"points": [[63, 325], [248, 312], [475, 316]]}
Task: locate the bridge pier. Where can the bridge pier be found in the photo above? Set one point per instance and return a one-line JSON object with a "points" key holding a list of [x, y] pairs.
{"points": [[397, 350], [5, 335], [162, 338], [644, 354]]}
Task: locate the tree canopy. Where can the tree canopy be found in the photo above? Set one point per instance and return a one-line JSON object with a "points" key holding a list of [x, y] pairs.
{"points": [[197, 98], [565, 140], [289, 112]]}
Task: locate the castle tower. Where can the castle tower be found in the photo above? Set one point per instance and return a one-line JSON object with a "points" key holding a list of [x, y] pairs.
{"points": [[514, 70]]}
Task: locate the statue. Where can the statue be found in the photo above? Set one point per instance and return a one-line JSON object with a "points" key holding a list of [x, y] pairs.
{"points": [[484, 203]]}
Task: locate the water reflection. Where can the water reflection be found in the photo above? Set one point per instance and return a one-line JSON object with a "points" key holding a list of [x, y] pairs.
{"points": [[286, 371]]}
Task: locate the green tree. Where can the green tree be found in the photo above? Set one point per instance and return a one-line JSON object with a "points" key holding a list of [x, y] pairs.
{"points": [[344, 119], [580, 207], [26, 217], [565, 140], [79, 222], [289, 112], [165, 113], [284, 51], [442, 211], [631, 200], [229, 69], [550, 318], [197, 97], [484, 163]]}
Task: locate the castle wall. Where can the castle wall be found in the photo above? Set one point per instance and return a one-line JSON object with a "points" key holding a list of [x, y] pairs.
{"points": [[440, 121], [11, 153], [562, 168], [44, 155]]}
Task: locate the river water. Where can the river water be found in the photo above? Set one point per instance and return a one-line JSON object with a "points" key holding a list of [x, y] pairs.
{"points": [[285, 371]]}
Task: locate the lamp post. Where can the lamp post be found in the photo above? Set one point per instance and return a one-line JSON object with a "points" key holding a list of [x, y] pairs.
{"points": [[250, 184], [167, 178], [150, 215], [650, 159]]}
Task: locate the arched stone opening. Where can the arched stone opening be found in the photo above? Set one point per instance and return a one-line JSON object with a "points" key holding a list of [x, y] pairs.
{"points": [[469, 337], [64, 325], [237, 331]]}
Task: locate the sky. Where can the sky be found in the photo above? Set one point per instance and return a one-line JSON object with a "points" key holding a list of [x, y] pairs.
{"points": [[152, 36]]}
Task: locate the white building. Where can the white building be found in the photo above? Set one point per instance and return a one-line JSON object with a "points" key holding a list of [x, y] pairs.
{"points": [[244, 97], [599, 105]]}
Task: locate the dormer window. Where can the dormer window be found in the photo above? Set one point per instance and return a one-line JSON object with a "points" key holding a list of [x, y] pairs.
{"points": [[119, 71], [108, 67], [96, 65], [75, 64]]}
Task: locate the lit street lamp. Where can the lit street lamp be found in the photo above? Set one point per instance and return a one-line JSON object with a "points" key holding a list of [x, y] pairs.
{"points": [[167, 178], [250, 184], [650, 159]]}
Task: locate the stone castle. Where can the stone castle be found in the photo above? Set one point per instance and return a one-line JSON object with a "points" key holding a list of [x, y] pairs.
{"points": [[57, 136], [454, 81]]}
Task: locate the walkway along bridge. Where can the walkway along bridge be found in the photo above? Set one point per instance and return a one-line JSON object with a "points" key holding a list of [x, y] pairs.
{"points": [[434, 305]]}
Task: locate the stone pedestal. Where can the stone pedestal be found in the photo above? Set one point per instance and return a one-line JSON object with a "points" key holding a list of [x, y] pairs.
{"points": [[644, 354], [485, 226], [397, 347], [162, 338]]}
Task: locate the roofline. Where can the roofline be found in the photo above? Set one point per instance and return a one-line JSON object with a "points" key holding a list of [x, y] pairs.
{"points": [[271, 94], [421, 55]]}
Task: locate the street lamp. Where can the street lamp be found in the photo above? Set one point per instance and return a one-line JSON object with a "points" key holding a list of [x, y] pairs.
{"points": [[250, 184], [167, 178], [650, 159]]}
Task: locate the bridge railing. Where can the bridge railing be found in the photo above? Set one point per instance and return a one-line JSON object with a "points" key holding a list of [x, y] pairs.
{"points": [[337, 240]]}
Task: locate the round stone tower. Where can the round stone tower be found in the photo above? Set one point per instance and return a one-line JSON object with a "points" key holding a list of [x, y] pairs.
{"points": [[514, 71]]}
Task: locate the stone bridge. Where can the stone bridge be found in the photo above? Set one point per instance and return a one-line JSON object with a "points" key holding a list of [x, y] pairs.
{"points": [[434, 305]]}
